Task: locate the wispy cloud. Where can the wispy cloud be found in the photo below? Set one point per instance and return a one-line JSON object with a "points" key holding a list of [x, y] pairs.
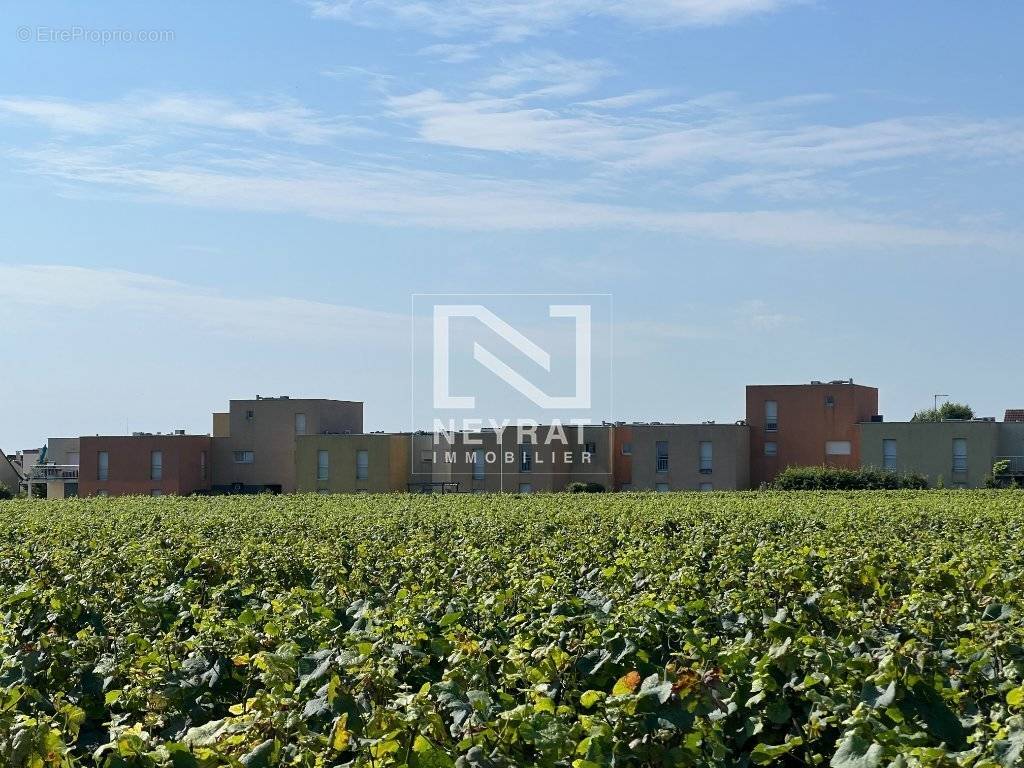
{"points": [[398, 196], [509, 20], [776, 176], [171, 112], [452, 53], [625, 100], [125, 294]]}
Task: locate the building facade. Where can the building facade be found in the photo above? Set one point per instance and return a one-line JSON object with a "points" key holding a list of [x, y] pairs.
{"points": [[370, 463], [953, 454], [814, 424], [145, 465], [254, 442], [687, 457]]}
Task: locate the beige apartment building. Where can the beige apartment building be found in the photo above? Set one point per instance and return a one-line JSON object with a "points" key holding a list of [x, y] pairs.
{"points": [[685, 457], [545, 460], [254, 443], [355, 463], [955, 454]]}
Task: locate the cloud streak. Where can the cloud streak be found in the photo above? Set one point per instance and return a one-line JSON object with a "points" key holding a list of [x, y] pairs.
{"points": [[512, 20], [270, 319]]}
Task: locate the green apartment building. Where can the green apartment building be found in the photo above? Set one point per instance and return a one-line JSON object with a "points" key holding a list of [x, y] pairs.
{"points": [[956, 454]]}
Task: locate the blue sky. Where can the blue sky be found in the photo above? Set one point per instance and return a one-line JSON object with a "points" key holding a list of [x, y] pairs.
{"points": [[772, 190]]}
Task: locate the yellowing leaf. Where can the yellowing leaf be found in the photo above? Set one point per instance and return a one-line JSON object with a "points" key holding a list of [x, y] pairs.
{"points": [[340, 735]]}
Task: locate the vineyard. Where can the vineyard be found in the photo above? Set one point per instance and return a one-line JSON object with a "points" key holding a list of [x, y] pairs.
{"points": [[793, 629]]}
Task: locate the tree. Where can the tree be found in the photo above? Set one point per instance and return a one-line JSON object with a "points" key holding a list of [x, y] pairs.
{"points": [[960, 411]]}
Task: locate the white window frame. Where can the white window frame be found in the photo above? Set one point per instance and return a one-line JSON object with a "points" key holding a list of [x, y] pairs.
{"points": [[771, 415], [323, 464], [526, 458], [890, 459], [244, 457], [627, 449], [838, 448], [960, 458], [156, 465], [661, 457], [706, 462], [362, 464]]}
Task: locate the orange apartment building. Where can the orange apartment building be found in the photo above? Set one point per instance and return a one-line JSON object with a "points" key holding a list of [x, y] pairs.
{"points": [[144, 465], [812, 424]]}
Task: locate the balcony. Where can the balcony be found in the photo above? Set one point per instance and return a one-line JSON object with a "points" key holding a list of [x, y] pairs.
{"points": [[1015, 466], [52, 473]]}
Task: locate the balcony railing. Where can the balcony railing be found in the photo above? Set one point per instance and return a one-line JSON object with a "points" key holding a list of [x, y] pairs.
{"points": [[1015, 466], [45, 473]]}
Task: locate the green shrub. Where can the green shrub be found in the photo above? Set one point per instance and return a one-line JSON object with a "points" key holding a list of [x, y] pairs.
{"points": [[580, 487], [840, 479], [945, 411]]}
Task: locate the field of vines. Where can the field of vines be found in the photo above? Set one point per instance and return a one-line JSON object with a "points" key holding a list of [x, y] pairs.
{"points": [[851, 630]]}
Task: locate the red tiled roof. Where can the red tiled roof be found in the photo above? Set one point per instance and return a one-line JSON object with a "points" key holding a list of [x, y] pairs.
{"points": [[1014, 414]]}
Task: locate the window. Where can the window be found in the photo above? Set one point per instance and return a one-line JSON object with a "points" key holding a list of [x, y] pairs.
{"points": [[203, 467], [526, 458], [427, 456], [707, 486], [771, 416], [362, 464], [525, 488], [661, 487], [479, 464], [244, 457], [627, 449], [837, 448], [830, 401], [661, 450], [103, 493], [323, 465], [300, 423], [889, 455], [73, 459], [706, 454], [156, 492], [771, 449], [156, 465], [959, 454], [250, 415], [102, 465], [590, 448]]}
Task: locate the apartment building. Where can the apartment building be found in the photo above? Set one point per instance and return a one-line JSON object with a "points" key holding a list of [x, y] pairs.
{"points": [[953, 453], [254, 441], [685, 457], [145, 465], [10, 475], [545, 459], [355, 463], [814, 424]]}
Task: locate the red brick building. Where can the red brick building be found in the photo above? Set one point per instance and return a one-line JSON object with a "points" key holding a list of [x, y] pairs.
{"points": [[806, 425], [144, 465]]}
